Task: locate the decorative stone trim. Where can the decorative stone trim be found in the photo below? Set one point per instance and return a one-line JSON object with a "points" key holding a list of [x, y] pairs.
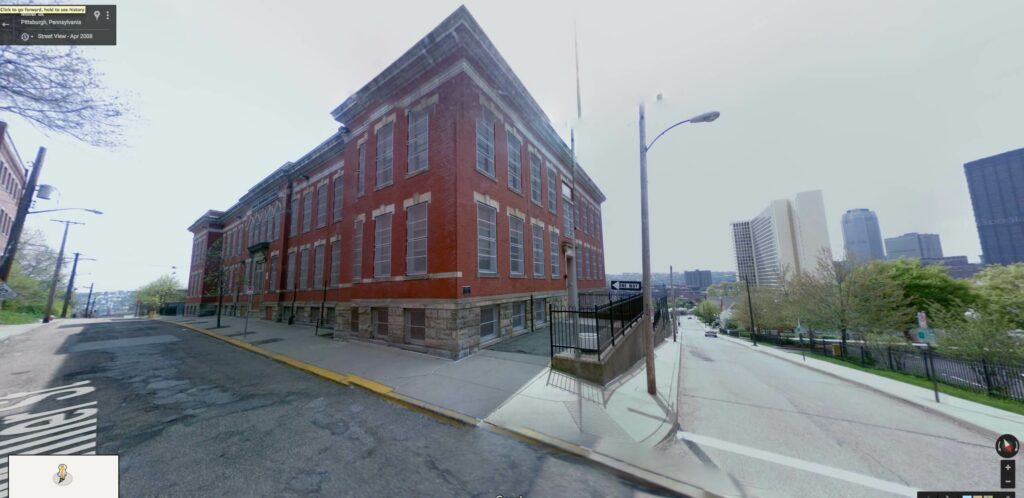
{"points": [[320, 242], [383, 209], [390, 118], [511, 130], [339, 170], [422, 104], [538, 222], [555, 230], [512, 211], [334, 238], [487, 200], [362, 140], [360, 217], [416, 199]]}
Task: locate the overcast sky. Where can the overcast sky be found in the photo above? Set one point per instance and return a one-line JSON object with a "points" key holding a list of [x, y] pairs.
{"points": [[877, 103]]}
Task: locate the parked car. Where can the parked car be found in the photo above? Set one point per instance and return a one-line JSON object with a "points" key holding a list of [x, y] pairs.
{"points": [[710, 333]]}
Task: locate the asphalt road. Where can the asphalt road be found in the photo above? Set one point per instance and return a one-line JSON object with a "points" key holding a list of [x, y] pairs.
{"points": [[192, 416], [784, 430]]}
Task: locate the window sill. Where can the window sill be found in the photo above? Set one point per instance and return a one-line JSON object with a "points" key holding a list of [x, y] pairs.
{"points": [[517, 192], [517, 276], [487, 175], [487, 275], [417, 172], [537, 203], [384, 186], [418, 276]]}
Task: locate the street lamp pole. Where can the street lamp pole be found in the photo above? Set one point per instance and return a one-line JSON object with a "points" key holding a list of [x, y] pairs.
{"points": [[88, 301], [750, 309], [56, 271], [647, 327]]}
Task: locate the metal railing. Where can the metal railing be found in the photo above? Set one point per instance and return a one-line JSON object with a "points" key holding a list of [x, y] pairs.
{"points": [[997, 379], [590, 330]]}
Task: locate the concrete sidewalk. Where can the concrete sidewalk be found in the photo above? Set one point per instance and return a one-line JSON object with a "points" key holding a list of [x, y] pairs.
{"points": [[515, 392], [13, 330], [984, 417]]}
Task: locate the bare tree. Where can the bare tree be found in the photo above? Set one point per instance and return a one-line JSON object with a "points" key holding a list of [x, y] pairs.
{"points": [[58, 89], [216, 274]]}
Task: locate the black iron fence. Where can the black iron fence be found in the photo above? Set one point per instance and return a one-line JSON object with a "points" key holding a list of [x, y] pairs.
{"points": [[592, 329], [998, 379]]}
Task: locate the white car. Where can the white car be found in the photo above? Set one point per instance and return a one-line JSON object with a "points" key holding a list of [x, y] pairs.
{"points": [[710, 333]]}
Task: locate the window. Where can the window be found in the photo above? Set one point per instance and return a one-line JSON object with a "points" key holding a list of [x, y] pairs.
{"points": [[519, 315], [552, 190], [555, 256], [318, 267], [581, 215], [380, 322], [567, 211], [485, 142], [535, 188], [486, 239], [515, 163], [586, 264], [538, 251], [258, 276], [277, 226], [339, 196], [307, 212], [515, 242], [416, 240], [353, 320], [294, 229], [539, 308], [385, 154], [336, 262], [415, 326], [418, 125], [488, 322], [304, 270], [290, 283], [579, 263], [361, 170], [273, 273], [382, 245], [357, 251], [321, 206]]}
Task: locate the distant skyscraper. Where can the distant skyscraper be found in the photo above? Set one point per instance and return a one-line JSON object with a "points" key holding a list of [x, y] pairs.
{"points": [[914, 245], [996, 185], [862, 238], [787, 235]]}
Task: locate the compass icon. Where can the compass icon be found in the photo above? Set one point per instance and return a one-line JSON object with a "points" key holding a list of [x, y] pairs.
{"points": [[1007, 446]]}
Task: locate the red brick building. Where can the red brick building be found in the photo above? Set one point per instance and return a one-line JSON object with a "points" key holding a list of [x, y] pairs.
{"points": [[12, 184], [436, 218]]}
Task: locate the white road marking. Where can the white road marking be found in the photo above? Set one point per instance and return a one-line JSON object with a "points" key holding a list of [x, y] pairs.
{"points": [[796, 463]]}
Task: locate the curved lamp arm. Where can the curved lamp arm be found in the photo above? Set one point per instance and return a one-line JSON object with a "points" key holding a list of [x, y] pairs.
{"points": [[94, 211], [707, 117]]}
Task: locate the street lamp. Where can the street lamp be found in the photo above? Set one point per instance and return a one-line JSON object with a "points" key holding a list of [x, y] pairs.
{"points": [[647, 319], [94, 211]]}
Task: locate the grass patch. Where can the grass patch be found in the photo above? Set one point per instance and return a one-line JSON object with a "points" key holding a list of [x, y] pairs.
{"points": [[9, 317], [975, 396]]}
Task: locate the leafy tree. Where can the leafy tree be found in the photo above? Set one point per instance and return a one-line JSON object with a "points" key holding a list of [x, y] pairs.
{"points": [[978, 335], [725, 289], [841, 296], [57, 89], [928, 288], [1001, 292], [155, 294], [707, 312], [32, 273], [216, 274]]}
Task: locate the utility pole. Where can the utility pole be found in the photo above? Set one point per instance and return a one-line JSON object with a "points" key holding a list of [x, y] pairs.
{"points": [[570, 270], [672, 303], [647, 325], [71, 287], [56, 271], [88, 301], [23, 206], [750, 308]]}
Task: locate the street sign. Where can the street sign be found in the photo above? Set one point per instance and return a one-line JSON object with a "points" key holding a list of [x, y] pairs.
{"points": [[248, 291], [922, 320], [629, 285], [6, 292]]}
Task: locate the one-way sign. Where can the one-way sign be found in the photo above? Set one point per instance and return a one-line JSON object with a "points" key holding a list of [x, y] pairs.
{"points": [[629, 285]]}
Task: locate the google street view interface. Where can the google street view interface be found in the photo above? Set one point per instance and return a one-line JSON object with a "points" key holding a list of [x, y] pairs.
{"points": [[505, 249]]}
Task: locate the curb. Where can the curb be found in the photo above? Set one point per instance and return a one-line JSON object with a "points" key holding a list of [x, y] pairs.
{"points": [[618, 467], [925, 406]]}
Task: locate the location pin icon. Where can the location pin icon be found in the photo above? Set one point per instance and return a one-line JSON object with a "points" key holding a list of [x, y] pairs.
{"points": [[96, 14]]}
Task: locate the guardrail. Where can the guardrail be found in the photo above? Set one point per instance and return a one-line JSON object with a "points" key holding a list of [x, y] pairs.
{"points": [[591, 330]]}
